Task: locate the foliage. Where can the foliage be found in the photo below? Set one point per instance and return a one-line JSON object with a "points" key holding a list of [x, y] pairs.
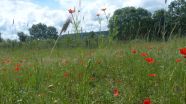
{"points": [[52, 32], [1, 38], [130, 21], [41, 31], [22, 36], [177, 10], [161, 22]]}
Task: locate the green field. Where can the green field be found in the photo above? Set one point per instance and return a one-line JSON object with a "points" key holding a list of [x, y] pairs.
{"points": [[90, 76]]}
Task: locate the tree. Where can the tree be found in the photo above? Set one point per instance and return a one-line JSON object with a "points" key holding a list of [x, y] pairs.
{"points": [[130, 22], [38, 31], [162, 26], [177, 11], [159, 17], [1, 38], [41, 31], [52, 32], [22, 36]]}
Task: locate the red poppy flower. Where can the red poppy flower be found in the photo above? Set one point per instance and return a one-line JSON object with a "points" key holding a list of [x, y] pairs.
{"points": [[116, 92], [152, 75], [71, 11], [144, 54], [183, 51], [134, 51], [147, 101], [178, 60], [17, 69], [150, 60], [66, 74]]}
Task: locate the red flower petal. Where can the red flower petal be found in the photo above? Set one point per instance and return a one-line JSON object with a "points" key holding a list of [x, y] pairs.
{"points": [[17, 68], [178, 60], [66, 74], [116, 92], [144, 54], [150, 60], [71, 11], [134, 51], [147, 101], [183, 51], [152, 75]]}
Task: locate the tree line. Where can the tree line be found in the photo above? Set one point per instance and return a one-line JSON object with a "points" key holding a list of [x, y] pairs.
{"points": [[131, 23], [39, 31]]}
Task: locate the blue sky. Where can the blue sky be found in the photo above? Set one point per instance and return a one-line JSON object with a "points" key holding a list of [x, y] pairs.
{"points": [[54, 12]]}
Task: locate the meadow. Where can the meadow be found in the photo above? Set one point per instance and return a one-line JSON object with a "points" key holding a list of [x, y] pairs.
{"points": [[132, 72]]}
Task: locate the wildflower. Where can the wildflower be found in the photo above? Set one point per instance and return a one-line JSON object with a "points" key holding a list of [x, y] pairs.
{"points": [[147, 101], [116, 92], [71, 11], [144, 54], [152, 75], [178, 60], [134, 51], [17, 69], [183, 51], [66, 74], [150, 60]]}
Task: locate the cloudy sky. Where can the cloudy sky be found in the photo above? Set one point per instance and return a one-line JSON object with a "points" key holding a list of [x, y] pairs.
{"points": [[19, 15]]}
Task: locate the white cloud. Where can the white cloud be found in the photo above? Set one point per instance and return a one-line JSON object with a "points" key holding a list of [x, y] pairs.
{"points": [[27, 12], [24, 13]]}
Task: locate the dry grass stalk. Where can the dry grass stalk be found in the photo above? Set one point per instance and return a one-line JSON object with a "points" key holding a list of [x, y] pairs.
{"points": [[64, 28]]}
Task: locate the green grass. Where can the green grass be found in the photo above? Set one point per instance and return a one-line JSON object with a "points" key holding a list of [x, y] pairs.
{"points": [[88, 76]]}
